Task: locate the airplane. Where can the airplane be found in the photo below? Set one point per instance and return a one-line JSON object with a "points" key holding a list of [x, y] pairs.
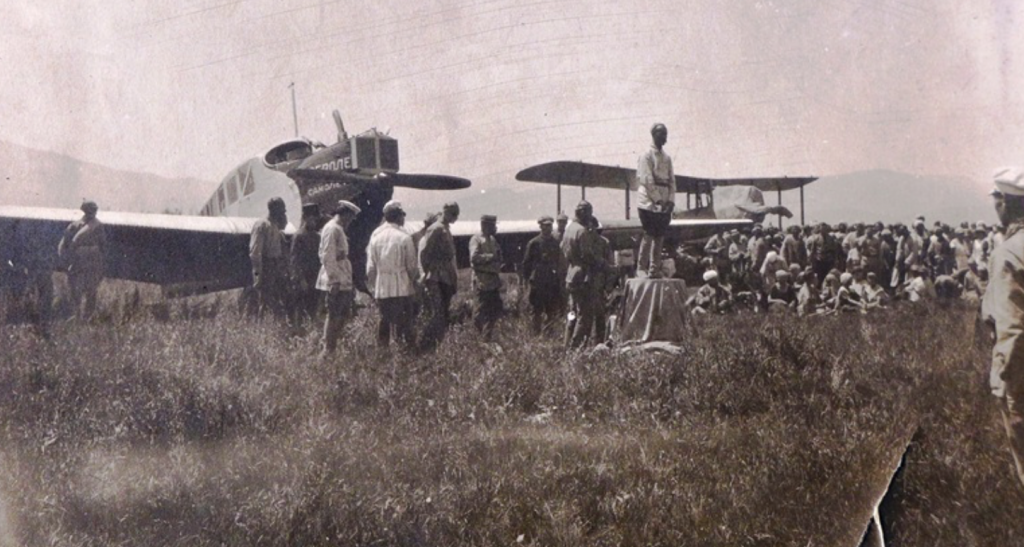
{"points": [[188, 255], [741, 198]]}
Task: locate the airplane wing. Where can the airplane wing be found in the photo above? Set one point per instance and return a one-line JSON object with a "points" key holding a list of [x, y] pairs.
{"points": [[184, 254], [590, 175], [513, 235]]}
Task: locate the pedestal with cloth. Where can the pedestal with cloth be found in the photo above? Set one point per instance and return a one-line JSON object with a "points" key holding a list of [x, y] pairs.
{"points": [[653, 314]]}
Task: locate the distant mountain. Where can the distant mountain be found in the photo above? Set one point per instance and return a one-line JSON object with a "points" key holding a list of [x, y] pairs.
{"points": [[864, 195], [39, 178], [48, 179], [892, 197]]}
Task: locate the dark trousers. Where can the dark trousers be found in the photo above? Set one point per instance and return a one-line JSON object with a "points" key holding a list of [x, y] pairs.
{"points": [[339, 309], [585, 302], [396, 314], [303, 305], [546, 305], [437, 299], [273, 288], [489, 309]]}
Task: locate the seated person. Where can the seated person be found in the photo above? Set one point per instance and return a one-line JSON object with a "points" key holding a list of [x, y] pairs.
{"points": [[915, 289], [829, 289], [947, 287], [874, 294], [808, 297], [846, 298], [860, 280], [975, 281], [782, 295], [711, 297]]}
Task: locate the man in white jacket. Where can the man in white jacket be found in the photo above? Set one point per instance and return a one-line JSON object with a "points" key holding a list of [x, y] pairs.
{"points": [[336, 273], [392, 268], [656, 195]]}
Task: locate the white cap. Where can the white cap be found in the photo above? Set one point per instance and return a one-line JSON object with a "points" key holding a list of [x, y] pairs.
{"points": [[1009, 180], [710, 274], [343, 204], [393, 205]]}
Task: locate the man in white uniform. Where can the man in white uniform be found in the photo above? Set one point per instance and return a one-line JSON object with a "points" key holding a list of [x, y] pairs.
{"points": [[656, 191], [392, 270], [336, 273]]}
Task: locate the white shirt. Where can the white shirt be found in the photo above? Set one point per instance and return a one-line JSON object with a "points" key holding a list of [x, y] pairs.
{"points": [[391, 259], [334, 270], [655, 179]]}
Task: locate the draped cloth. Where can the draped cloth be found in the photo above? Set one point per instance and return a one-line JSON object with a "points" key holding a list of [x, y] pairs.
{"points": [[653, 310]]}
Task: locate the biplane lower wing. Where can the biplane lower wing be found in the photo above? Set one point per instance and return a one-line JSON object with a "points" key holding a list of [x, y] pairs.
{"points": [[591, 175], [192, 254], [513, 235]]}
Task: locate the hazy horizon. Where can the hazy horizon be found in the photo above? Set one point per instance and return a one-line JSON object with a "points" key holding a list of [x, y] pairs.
{"points": [[484, 88]]}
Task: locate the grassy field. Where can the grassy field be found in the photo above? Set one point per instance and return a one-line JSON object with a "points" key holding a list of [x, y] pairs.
{"points": [[189, 425]]}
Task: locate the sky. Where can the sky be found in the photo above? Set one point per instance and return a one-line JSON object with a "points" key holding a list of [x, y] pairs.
{"points": [[484, 88]]}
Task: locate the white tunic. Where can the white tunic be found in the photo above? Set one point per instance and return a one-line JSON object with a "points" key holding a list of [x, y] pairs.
{"points": [[655, 179], [391, 259], [335, 267]]}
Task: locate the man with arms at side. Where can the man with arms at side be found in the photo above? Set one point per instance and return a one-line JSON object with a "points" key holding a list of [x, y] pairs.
{"points": [[83, 249], [656, 191], [304, 261], [392, 271], [439, 275], [485, 258], [1003, 307], [336, 273], [267, 253], [586, 261], [542, 270]]}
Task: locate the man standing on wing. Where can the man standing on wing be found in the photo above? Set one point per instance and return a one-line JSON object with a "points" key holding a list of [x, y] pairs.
{"points": [[336, 273], [656, 191], [392, 271]]}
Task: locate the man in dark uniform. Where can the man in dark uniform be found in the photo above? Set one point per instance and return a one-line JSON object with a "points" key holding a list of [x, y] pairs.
{"points": [[83, 250], [586, 259], [439, 275], [304, 261], [485, 257], [563, 221], [269, 264], [543, 271]]}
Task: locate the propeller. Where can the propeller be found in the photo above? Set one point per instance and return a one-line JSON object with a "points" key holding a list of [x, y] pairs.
{"points": [[416, 181], [425, 182]]}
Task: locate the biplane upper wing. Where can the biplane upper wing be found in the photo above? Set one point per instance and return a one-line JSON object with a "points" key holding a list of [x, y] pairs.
{"points": [[183, 253], [591, 175]]}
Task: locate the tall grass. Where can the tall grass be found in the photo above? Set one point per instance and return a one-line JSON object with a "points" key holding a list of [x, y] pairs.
{"points": [[193, 426]]}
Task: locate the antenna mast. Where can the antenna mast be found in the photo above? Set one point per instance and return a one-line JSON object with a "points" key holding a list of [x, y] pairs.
{"points": [[295, 114]]}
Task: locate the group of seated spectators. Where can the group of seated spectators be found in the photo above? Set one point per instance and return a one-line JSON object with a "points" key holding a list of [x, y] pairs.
{"points": [[845, 268]]}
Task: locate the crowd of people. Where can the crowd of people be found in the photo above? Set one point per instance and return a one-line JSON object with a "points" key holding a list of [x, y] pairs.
{"points": [[825, 269]]}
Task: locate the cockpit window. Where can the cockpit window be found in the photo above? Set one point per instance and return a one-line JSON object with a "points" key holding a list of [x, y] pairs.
{"points": [[249, 186], [232, 191], [289, 151]]}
